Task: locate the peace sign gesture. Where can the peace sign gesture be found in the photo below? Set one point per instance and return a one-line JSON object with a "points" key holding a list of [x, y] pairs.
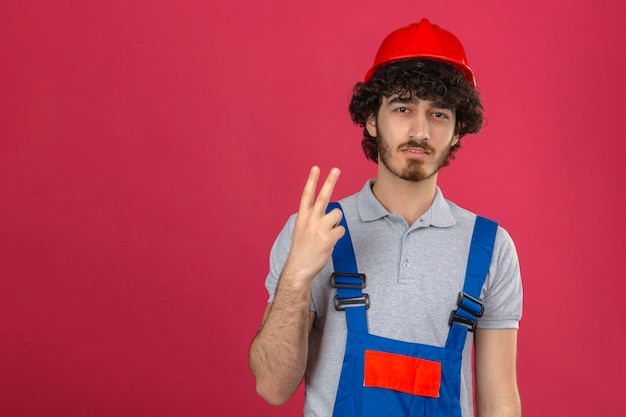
{"points": [[315, 232]]}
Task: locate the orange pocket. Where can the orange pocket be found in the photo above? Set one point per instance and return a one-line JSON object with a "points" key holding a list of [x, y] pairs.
{"points": [[402, 373]]}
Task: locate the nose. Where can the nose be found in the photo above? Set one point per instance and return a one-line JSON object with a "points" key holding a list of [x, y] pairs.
{"points": [[419, 129]]}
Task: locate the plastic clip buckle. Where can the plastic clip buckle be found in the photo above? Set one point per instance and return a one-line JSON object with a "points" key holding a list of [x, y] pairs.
{"points": [[461, 302], [356, 285], [471, 324], [342, 303], [476, 312]]}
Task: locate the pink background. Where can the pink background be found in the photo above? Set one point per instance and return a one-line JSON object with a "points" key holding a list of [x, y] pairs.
{"points": [[150, 151]]}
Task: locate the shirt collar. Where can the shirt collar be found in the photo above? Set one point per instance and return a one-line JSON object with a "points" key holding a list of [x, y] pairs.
{"points": [[370, 209]]}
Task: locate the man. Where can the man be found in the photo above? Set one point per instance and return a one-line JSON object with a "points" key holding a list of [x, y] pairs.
{"points": [[396, 340]]}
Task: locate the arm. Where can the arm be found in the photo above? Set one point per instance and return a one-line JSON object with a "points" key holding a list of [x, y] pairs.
{"points": [[278, 354], [495, 369]]}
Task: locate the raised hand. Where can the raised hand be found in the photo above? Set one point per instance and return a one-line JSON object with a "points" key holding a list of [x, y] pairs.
{"points": [[279, 352], [315, 232]]}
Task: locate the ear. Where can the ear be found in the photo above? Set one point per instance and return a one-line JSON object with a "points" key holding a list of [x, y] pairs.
{"points": [[370, 125], [457, 136], [455, 140]]}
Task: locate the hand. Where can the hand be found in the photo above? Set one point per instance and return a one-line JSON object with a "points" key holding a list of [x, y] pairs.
{"points": [[315, 232]]}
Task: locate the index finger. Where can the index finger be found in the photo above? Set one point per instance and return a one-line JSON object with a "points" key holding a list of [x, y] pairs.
{"points": [[308, 193]]}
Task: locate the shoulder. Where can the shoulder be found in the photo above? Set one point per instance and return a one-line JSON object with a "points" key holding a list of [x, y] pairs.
{"points": [[354, 204], [463, 216]]}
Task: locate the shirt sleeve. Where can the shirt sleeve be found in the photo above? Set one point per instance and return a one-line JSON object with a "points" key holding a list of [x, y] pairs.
{"points": [[278, 257], [502, 292]]}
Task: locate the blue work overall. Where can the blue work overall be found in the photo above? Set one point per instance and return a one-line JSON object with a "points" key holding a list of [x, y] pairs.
{"points": [[384, 377]]}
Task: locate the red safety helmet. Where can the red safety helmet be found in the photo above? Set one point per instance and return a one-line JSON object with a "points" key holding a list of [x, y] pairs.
{"points": [[422, 40]]}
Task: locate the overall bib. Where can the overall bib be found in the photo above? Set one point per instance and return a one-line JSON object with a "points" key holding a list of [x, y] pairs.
{"points": [[384, 377]]}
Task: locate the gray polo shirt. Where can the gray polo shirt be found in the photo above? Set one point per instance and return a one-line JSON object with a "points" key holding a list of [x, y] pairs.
{"points": [[414, 275]]}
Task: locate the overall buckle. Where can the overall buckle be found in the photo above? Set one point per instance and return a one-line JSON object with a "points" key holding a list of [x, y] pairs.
{"points": [[469, 305], [347, 280], [343, 303]]}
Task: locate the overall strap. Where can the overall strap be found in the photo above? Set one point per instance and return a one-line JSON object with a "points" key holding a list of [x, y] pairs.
{"points": [[463, 319], [347, 280]]}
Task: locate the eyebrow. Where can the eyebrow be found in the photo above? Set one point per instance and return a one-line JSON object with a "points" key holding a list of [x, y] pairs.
{"points": [[415, 100], [399, 99]]}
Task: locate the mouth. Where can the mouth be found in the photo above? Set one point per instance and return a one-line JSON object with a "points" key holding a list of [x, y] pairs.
{"points": [[415, 151]]}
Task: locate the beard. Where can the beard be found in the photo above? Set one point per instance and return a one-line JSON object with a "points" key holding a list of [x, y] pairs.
{"points": [[413, 170]]}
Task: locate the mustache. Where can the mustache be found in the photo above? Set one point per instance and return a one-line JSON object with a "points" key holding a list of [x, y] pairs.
{"points": [[415, 144]]}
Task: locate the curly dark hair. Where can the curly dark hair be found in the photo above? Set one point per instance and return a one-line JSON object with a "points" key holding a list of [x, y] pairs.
{"points": [[426, 79]]}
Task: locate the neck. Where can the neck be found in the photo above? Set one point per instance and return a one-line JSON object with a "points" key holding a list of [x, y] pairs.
{"points": [[406, 198]]}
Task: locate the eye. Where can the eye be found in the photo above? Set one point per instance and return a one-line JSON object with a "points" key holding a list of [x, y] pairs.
{"points": [[440, 115], [402, 109]]}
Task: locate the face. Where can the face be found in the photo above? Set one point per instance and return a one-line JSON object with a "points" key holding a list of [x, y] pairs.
{"points": [[414, 136]]}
